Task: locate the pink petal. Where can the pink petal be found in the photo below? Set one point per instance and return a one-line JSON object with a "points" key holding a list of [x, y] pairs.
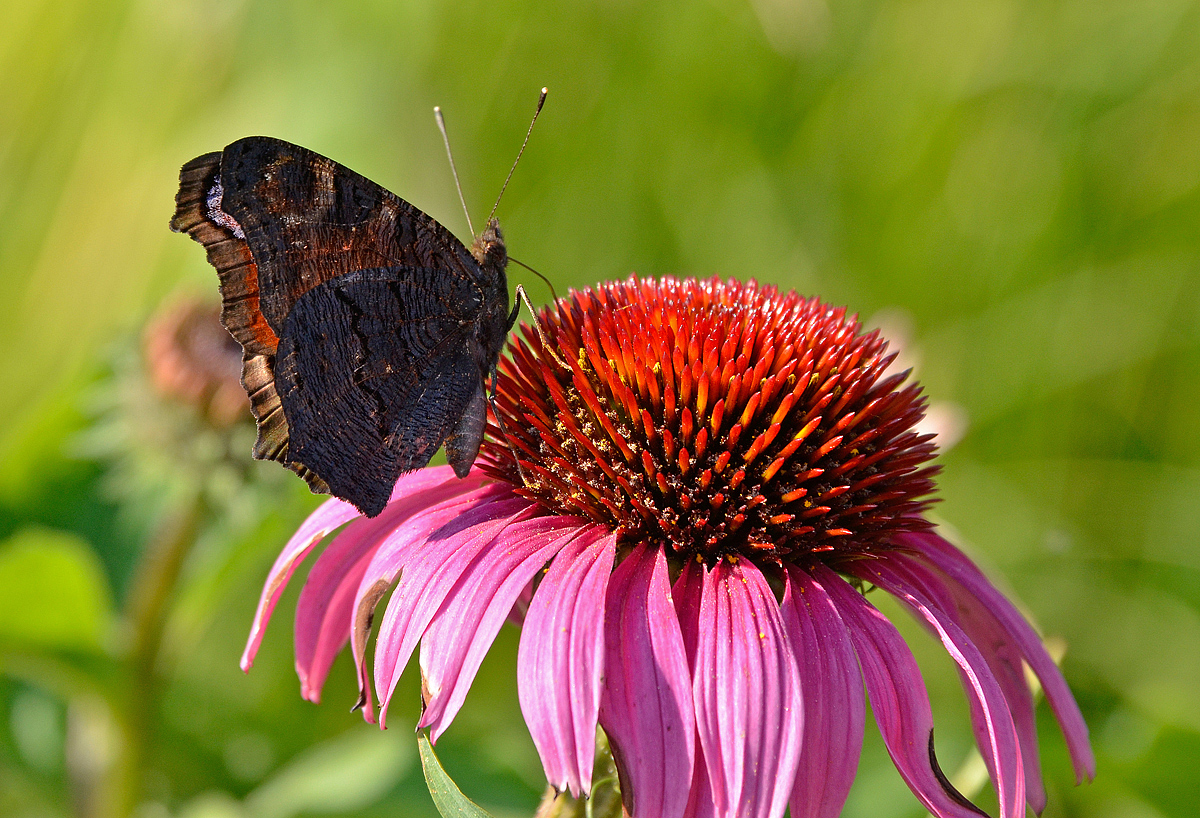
{"points": [[560, 661], [898, 698], [464, 628], [516, 616], [646, 703], [328, 516], [701, 803], [745, 690], [995, 731], [688, 591], [832, 688], [1002, 657], [974, 591], [325, 609], [430, 570], [404, 543]]}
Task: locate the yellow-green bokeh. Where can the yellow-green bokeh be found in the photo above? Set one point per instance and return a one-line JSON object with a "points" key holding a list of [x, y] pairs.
{"points": [[1013, 183]]}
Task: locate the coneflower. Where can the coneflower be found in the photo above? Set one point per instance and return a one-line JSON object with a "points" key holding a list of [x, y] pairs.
{"points": [[709, 472]]}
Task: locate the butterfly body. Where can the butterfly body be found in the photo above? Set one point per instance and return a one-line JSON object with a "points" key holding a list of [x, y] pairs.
{"points": [[368, 330]]}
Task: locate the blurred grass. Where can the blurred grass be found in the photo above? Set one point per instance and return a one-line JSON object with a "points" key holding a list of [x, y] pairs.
{"points": [[1020, 179]]}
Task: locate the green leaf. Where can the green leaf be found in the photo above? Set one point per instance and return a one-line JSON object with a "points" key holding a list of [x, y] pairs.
{"points": [[447, 797], [53, 592]]}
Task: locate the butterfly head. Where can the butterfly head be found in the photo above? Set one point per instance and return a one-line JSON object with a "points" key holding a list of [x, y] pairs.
{"points": [[488, 247]]}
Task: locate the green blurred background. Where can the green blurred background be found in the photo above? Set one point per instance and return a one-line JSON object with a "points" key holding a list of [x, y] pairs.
{"points": [[1010, 186]]}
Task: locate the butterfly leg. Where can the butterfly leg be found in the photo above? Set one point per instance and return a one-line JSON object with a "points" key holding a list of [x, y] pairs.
{"points": [[537, 325], [491, 396]]}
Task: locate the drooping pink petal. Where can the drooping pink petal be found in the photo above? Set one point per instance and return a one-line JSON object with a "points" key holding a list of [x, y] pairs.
{"points": [[701, 803], [746, 692], [975, 591], [325, 609], [402, 545], [688, 592], [646, 703], [994, 729], [560, 660], [465, 626], [429, 572], [898, 698], [1002, 657], [329, 515], [516, 616], [831, 686]]}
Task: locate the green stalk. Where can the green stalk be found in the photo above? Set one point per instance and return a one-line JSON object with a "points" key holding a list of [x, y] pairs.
{"points": [[136, 706]]}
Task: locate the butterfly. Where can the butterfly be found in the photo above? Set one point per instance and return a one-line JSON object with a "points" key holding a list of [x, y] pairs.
{"points": [[368, 330]]}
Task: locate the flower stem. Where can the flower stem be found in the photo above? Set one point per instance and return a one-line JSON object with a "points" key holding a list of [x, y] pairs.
{"points": [[145, 615]]}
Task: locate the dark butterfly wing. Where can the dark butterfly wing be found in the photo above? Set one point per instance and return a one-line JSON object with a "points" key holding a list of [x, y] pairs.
{"points": [[376, 368], [308, 219], [198, 213], [277, 221]]}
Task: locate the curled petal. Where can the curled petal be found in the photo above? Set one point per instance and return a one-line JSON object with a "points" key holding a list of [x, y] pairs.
{"points": [[464, 628], [898, 698], [994, 728], [745, 690], [646, 703], [831, 686], [404, 543], [430, 570], [331, 514], [325, 609], [560, 660], [975, 592]]}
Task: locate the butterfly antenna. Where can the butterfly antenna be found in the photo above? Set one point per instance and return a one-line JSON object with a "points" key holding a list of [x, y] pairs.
{"points": [[441, 123], [553, 292], [541, 101]]}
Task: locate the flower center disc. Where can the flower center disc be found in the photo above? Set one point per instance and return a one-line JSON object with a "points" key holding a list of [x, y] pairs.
{"points": [[714, 418]]}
